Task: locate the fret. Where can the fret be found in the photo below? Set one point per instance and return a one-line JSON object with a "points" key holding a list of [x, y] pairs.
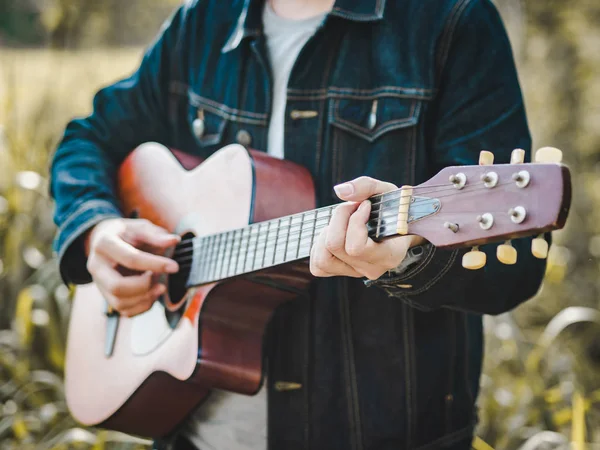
{"points": [[245, 250], [287, 240], [254, 234], [276, 240], [217, 257], [231, 247], [312, 234], [236, 269], [207, 258], [300, 236], [292, 239], [223, 253], [253, 266], [202, 258], [196, 253], [262, 264], [226, 253], [248, 257]]}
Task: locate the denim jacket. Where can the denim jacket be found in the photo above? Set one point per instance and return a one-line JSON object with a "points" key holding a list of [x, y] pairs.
{"points": [[389, 364]]}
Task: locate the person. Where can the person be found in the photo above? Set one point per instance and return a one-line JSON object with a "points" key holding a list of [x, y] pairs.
{"points": [[385, 350]]}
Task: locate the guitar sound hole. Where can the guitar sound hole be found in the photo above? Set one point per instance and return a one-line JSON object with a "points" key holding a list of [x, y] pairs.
{"points": [[182, 253]]}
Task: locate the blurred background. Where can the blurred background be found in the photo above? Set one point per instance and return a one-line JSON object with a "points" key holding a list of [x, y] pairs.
{"points": [[541, 386]]}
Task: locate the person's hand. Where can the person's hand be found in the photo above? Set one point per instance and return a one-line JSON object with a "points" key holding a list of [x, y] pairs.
{"points": [[344, 248], [116, 244]]}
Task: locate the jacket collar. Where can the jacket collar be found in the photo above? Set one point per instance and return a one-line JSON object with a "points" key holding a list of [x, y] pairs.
{"points": [[249, 22], [359, 10]]}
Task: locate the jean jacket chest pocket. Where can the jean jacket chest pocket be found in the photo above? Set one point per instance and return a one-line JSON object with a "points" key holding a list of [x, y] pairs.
{"points": [[373, 136], [215, 124]]}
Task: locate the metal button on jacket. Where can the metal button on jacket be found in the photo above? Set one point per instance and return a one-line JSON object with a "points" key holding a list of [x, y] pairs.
{"points": [[198, 127], [243, 138]]}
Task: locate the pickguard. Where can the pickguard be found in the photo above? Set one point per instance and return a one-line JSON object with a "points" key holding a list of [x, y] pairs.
{"points": [[149, 330]]}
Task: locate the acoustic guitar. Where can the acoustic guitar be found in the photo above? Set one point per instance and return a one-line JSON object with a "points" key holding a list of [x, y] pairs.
{"points": [[248, 223]]}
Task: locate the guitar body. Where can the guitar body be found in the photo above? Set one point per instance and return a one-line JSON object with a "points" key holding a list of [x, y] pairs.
{"points": [[164, 362]]}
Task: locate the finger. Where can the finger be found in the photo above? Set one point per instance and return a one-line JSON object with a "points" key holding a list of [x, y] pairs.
{"points": [[379, 257], [335, 238], [119, 251], [362, 188], [122, 286], [138, 304], [144, 303], [396, 249], [144, 231], [324, 264], [367, 254], [357, 235]]}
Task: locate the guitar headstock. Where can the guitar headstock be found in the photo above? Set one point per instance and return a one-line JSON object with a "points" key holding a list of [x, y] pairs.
{"points": [[467, 206]]}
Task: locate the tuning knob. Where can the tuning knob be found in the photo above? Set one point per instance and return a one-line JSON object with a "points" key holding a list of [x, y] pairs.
{"points": [[506, 253], [517, 156], [486, 158], [473, 260], [548, 155], [539, 247]]}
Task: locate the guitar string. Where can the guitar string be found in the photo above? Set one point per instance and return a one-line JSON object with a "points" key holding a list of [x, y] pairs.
{"points": [[218, 253], [298, 227], [217, 250], [396, 194], [245, 246], [301, 225]]}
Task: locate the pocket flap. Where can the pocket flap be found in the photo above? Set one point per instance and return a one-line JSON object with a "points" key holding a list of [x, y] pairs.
{"points": [[369, 118]]}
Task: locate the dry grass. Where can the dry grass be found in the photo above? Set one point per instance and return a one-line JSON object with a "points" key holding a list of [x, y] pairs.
{"points": [[39, 92]]}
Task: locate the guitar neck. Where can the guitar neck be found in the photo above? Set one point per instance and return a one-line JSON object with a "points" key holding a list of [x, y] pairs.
{"points": [[280, 241], [460, 206], [257, 246]]}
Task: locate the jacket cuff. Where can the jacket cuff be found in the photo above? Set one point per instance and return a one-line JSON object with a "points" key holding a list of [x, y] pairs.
{"points": [[434, 264], [69, 245]]}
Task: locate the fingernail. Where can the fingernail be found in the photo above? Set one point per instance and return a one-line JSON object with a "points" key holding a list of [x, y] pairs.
{"points": [[172, 267], [160, 289], [364, 205], [344, 189]]}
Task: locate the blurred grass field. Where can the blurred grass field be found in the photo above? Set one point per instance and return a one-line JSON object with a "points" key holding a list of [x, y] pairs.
{"points": [[37, 98], [540, 388]]}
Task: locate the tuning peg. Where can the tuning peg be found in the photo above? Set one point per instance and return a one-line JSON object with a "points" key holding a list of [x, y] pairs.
{"points": [[486, 158], [548, 155], [539, 247], [473, 260], [506, 253], [517, 156]]}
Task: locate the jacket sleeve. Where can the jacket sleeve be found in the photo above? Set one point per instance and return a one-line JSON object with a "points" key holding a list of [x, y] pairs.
{"points": [[479, 106], [84, 166]]}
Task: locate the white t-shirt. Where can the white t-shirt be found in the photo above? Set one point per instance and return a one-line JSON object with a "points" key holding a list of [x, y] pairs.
{"points": [[227, 421], [285, 38]]}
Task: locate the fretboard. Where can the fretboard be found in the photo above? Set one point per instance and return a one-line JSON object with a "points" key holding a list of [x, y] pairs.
{"points": [[274, 242]]}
